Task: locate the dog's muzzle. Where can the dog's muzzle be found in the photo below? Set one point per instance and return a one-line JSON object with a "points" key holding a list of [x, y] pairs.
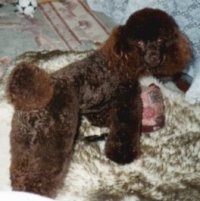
{"points": [[153, 58], [153, 55]]}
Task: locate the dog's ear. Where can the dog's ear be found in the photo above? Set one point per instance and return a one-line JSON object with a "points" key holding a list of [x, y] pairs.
{"points": [[121, 41]]}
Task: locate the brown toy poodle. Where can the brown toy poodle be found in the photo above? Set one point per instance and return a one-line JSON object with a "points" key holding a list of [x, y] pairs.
{"points": [[48, 106]]}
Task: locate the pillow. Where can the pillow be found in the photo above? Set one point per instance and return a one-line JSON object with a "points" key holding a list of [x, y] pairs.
{"points": [[153, 117]]}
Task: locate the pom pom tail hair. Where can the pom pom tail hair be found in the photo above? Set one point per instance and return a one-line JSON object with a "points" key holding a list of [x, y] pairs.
{"points": [[29, 87]]}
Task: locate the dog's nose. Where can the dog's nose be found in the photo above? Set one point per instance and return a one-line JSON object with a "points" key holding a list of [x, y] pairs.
{"points": [[152, 58]]}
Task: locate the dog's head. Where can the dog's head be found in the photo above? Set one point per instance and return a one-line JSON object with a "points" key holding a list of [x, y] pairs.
{"points": [[156, 39]]}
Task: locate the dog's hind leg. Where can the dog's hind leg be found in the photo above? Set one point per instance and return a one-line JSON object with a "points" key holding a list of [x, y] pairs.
{"points": [[42, 140], [41, 147]]}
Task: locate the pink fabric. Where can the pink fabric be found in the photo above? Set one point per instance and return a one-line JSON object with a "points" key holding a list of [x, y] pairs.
{"points": [[153, 108]]}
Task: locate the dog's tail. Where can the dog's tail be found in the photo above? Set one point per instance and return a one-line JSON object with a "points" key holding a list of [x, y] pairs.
{"points": [[29, 87]]}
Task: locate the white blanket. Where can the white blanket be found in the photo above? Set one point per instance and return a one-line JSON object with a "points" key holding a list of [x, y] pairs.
{"points": [[167, 170]]}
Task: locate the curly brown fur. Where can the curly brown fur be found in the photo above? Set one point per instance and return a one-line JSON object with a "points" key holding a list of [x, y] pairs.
{"points": [[27, 90], [42, 138]]}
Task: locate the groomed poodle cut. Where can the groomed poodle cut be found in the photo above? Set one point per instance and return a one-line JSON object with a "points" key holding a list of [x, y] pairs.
{"points": [[48, 106]]}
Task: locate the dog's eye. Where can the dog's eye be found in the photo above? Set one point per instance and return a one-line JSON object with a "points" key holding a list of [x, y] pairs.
{"points": [[160, 41], [141, 44]]}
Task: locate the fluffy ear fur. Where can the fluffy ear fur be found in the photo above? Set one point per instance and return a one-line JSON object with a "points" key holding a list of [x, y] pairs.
{"points": [[178, 55], [121, 44], [29, 87]]}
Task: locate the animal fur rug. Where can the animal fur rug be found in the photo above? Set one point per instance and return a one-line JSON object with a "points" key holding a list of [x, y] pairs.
{"points": [[167, 170]]}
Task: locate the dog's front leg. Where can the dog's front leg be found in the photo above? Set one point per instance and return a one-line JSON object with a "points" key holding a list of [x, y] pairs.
{"points": [[122, 145]]}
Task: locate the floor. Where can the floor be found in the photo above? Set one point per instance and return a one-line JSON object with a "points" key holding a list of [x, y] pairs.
{"points": [[61, 24]]}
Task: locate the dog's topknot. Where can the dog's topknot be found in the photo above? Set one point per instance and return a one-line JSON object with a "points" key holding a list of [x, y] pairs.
{"points": [[149, 23]]}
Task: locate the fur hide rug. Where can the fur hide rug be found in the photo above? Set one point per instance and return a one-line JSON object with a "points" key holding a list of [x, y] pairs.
{"points": [[167, 170]]}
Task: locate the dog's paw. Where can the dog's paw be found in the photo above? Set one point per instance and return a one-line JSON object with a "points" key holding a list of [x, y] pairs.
{"points": [[120, 151]]}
